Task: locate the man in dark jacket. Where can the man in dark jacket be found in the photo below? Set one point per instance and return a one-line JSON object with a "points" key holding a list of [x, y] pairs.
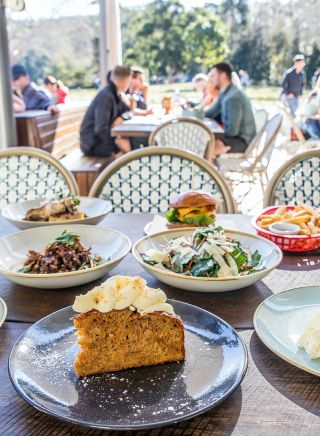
{"points": [[293, 83], [34, 98], [106, 111]]}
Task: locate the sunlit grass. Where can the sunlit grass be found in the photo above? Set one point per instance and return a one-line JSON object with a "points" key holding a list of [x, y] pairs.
{"points": [[261, 96]]}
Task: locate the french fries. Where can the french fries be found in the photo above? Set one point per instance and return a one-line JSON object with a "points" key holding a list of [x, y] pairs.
{"points": [[306, 217]]}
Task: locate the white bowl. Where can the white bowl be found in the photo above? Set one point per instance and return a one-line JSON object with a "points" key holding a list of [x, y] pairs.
{"points": [[271, 257], [94, 208], [108, 243]]}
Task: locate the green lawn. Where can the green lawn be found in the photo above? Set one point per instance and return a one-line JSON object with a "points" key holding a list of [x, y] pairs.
{"points": [[261, 96]]}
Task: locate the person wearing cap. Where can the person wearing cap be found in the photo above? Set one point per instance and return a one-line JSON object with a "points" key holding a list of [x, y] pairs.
{"points": [[293, 83], [33, 97]]}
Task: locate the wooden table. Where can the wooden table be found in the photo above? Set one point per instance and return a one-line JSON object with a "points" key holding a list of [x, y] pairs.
{"points": [[141, 127], [274, 398]]}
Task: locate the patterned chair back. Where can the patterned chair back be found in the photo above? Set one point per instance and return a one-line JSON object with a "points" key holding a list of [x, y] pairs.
{"points": [[148, 179], [27, 173], [297, 181], [263, 143], [185, 133]]}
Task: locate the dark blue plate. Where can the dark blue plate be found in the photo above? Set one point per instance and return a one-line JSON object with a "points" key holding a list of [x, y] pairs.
{"points": [[41, 370]]}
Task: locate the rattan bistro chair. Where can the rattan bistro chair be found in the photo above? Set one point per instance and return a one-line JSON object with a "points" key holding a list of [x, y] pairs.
{"points": [[257, 156], [27, 173], [148, 179], [185, 133], [297, 181]]}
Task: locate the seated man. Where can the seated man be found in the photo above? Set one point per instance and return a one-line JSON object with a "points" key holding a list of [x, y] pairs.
{"points": [[107, 110], [233, 110], [34, 98]]}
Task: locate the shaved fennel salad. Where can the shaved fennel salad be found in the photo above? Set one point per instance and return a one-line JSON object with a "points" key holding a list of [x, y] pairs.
{"points": [[209, 252]]}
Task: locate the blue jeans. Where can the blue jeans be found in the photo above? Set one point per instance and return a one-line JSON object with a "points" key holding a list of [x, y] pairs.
{"points": [[293, 104], [313, 128]]}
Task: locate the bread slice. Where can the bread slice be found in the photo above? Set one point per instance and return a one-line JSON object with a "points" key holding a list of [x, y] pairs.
{"points": [[122, 339]]}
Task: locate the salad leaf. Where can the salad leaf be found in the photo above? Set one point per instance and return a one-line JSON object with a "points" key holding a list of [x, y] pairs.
{"points": [[147, 259], [240, 257], [66, 238], [172, 216], [199, 220], [25, 269], [256, 258], [201, 234], [205, 268], [75, 199]]}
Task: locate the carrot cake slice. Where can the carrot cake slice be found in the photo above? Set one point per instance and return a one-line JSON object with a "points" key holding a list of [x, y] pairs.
{"points": [[124, 324]]}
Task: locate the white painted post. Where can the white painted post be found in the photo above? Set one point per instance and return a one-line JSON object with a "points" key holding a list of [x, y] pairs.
{"points": [[110, 49], [8, 133]]}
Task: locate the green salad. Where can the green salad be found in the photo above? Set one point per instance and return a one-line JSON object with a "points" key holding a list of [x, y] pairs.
{"points": [[209, 252]]}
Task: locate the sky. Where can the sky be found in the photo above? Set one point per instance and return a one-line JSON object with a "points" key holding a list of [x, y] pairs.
{"points": [[53, 8]]}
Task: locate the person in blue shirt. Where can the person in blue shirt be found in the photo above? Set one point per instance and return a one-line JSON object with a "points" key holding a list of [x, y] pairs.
{"points": [[293, 83], [34, 98]]}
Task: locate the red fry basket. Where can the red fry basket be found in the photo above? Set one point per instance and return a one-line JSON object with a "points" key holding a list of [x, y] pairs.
{"points": [[286, 242]]}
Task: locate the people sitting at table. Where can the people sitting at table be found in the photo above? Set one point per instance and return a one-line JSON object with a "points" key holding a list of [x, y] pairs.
{"points": [[136, 95], [209, 94], [61, 92], [138, 88], [233, 110], [55, 89], [18, 103], [107, 110], [49, 86], [312, 112], [33, 97]]}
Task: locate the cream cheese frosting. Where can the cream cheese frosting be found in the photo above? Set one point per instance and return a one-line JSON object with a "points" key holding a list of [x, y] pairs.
{"points": [[121, 292]]}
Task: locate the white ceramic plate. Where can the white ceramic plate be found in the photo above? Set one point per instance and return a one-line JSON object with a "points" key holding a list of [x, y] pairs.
{"points": [[281, 319], [271, 255], [3, 311], [108, 243], [94, 208], [159, 224]]}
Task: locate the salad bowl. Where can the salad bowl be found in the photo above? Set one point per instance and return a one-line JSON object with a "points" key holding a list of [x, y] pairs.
{"points": [[110, 245], [95, 209], [268, 253]]}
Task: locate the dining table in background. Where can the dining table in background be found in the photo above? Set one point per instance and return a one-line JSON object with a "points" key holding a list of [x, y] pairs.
{"points": [[275, 398], [142, 127]]}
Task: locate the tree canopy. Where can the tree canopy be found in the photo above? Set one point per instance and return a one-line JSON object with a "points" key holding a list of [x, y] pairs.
{"points": [[168, 39]]}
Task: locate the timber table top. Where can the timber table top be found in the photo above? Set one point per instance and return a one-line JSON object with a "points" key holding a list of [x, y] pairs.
{"points": [[274, 398], [141, 127]]}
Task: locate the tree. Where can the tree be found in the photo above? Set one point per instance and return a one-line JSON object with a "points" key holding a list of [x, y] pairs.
{"points": [[171, 40], [235, 14], [205, 40], [36, 64], [313, 61], [158, 45], [252, 55]]}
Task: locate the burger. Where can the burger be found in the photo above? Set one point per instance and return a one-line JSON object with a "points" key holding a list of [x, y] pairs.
{"points": [[193, 208]]}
